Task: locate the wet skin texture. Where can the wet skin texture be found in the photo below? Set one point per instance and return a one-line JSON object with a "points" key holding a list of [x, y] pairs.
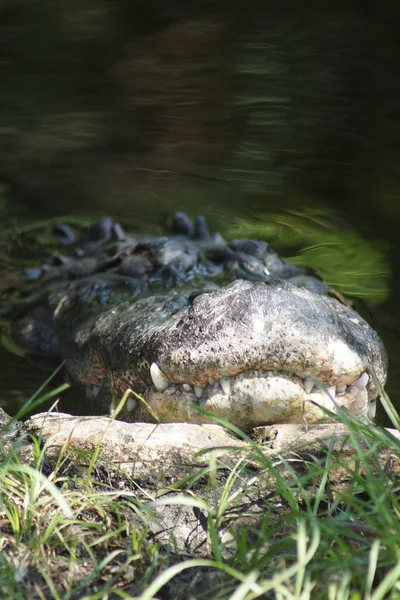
{"points": [[191, 322]]}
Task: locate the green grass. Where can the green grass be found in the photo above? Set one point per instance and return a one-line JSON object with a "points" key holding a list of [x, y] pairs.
{"points": [[77, 536]]}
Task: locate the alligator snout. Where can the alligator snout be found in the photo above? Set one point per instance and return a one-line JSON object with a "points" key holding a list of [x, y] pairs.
{"points": [[263, 353]]}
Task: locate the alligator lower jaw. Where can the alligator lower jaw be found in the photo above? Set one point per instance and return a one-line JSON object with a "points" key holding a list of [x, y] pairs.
{"points": [[256, 397]]}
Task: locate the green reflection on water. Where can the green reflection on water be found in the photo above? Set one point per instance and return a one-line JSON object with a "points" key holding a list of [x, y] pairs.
{"points": [[324, 242]]}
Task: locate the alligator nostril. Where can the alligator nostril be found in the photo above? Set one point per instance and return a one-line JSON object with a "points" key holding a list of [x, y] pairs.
{"points": [[195, 294]]}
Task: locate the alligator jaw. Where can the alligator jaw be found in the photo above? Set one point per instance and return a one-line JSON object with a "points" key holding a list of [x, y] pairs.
{"points": [[257, 397]]}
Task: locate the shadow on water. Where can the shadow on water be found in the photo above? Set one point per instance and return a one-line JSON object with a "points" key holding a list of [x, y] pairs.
{"points": [[274, 122]]}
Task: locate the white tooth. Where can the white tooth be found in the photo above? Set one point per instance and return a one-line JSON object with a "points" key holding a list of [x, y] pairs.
{"points": [[361, 381], [158, 378], [322, 399], [331, 391], [130, 404], [95, 390], [256, 373], [270, 373], [340, 389], [225, 384], [198, 391], [308, 385], [327, 401], [187, 387], [371, 409], [211, 381]]}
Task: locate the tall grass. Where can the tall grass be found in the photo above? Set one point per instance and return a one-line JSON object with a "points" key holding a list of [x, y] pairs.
{"points": [[77, 536]]}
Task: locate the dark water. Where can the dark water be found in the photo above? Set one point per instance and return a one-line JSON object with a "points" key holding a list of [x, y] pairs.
{"points": [[276, 122]]}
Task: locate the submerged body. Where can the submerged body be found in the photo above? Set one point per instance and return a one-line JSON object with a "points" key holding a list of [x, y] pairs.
{"points": [[191, 322]]}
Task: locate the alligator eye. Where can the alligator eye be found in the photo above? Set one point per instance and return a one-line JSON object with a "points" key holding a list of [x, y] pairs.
{"points": [[338, 296], [193, 295]]}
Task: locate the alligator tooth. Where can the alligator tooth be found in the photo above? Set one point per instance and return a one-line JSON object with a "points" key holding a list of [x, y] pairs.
{"points": [[130, 404], [225, 384], [331, 391], [187, 387], [92, 391], [327, 401], [198, 391], [340, 389], [211, 381], [308, 385], [322, 399], [158, 378], [362, 381], [270, 373], [371, 409]]}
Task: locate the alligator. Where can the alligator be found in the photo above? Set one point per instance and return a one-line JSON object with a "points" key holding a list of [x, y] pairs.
{"points": [[197, 328]]}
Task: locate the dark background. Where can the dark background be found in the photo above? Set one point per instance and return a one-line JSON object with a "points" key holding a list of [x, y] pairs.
{"points": [[274, 120]]}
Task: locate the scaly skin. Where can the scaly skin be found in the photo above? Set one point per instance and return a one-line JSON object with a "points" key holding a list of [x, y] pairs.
{"points": [[253, 352]]}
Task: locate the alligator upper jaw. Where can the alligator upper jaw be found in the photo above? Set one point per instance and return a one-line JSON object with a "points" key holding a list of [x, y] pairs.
{"points": [[246, 326], [233, 337], [251, 352]]}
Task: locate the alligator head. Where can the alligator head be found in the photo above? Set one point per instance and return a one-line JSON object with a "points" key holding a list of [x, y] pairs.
{"points": [[252, 352]]}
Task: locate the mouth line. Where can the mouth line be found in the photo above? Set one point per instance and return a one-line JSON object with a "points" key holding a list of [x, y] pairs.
{"points": [[226, 382], [270, 381]]}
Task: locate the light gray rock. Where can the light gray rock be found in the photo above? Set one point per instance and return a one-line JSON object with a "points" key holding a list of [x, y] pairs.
{"points": [[164, 452], [161, 461]]}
